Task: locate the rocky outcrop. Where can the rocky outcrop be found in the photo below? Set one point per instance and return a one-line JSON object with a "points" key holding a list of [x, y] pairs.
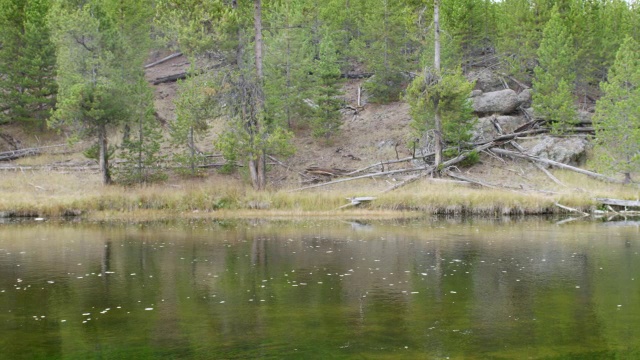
{"points": [[496, 102], [567, 150]]}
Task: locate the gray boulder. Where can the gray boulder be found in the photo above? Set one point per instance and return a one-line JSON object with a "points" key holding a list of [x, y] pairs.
{"points": [[584, 117], [567, 150], [486, 80], [525, 97], [496, 102], [485, 129]]}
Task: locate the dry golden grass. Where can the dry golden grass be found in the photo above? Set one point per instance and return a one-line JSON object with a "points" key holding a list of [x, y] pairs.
{"points": [[38, 193]]}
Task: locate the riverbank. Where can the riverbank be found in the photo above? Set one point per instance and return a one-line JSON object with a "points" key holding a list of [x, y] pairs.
{"points": [[46, 195]]}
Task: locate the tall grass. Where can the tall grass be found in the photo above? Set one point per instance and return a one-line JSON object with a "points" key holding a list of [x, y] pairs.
{"points": [[53, 194]]}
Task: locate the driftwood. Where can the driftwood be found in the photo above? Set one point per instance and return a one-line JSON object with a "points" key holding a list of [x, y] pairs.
{"points": [[571, 209], [617, 202], [165, 59], [557, 164]]}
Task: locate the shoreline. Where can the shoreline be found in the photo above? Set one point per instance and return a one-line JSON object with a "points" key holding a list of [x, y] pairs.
{"points": [[140, 206]]}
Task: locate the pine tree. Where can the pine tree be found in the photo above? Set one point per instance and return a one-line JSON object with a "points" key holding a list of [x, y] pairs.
{"points": [[195, 105], [383, 48], [518, 36], [327, 117], [439, 99], [27, 62], [451, 93], [95, 86], [141, 150], [288, 64], [471, 26], [617, 118], [555, 75]]}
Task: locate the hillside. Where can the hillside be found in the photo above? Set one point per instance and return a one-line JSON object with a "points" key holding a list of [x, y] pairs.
{"points": [[59, 179]]}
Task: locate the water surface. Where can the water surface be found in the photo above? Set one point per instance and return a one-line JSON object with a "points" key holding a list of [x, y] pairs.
{"points": [[320, 290]]}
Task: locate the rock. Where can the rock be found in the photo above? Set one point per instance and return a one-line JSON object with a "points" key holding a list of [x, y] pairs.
{"points": [[497, 102], [486, 130], [567, 150], [585, 117], [525, 97], [476, 93], [486, 80]]}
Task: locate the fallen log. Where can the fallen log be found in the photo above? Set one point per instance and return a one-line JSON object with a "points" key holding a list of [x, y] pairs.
{"points": [[473, 181], [330, 172], [557, 164], [427, 168], [170, 78], [163, 60], [617, 202], [356, 75], [183, 75], [20, 153], [513, 136], [540, 167], [381, 163], [571, 209]]}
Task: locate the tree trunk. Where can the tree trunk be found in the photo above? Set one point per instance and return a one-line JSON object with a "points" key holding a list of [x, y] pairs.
{"points": [[438, 136], [436, 63], [257, 21], [260, 164], [103, 155]]}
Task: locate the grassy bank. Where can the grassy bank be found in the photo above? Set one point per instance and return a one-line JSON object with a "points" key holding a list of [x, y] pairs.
{"points": [[55, 194]]}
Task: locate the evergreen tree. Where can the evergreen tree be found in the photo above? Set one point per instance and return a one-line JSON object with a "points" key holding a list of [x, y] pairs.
{"points": [[518, 36], [439, 99], [555, 75], [27, 63], [471, 26], [95, 86], [141, 150], [617, 118], [194, 106], [239, 95], [288, 64], [383, 48], [327, 117], [450, 97]]}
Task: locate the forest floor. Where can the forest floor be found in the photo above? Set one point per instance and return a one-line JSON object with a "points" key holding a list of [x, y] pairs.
{"points": [[61, 181]]}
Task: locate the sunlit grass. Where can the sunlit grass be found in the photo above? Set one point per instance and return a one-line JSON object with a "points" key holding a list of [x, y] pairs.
{"points": [[39, 193]]}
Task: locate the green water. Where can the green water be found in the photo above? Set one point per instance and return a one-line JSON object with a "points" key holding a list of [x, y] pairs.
{"points": [[320, 290]]}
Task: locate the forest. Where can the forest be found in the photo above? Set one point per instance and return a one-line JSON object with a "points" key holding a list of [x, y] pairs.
{"points": [[265, 69]]}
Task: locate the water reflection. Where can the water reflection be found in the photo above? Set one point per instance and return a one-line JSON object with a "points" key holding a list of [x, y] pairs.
{"points": [[411, 289]]}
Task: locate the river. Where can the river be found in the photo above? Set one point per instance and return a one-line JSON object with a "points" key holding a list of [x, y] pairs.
{"points": [[412, 289]]}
